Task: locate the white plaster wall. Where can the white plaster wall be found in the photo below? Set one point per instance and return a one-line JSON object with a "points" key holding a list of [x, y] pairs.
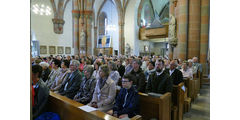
{"points": [[112, 16], [43, 28], [158, 46], [130, 28]]}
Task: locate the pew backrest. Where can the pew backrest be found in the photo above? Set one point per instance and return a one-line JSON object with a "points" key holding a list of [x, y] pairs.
{"points": [[68, 109], [178, 99], [190, 84], [155, 107]]}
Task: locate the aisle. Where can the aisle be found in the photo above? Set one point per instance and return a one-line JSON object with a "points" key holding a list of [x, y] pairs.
{"points": [[200, 109]]}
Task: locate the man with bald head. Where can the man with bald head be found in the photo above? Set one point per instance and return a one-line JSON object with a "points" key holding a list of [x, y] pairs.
{"points": [[175, 74]]}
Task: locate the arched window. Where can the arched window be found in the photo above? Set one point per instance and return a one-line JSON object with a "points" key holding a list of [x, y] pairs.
{"points": [[102, 23]]}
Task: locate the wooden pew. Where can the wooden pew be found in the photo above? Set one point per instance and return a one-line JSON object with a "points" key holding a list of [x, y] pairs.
{"points": [[197, 84], [198, 76], [155, 107], [190, 84], [178, 101], [68, 109], [188, 95]]}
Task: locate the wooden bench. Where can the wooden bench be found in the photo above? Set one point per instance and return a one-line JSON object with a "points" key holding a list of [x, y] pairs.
{"points": [[68, 109], [178, 101], [188, 95], [190, 85], [198, 76], [155, 107]]}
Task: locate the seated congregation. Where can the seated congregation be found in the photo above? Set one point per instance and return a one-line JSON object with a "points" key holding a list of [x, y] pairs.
{"points": [[118, 86]]}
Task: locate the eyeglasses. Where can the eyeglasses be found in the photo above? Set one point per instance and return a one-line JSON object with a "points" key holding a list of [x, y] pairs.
{"points": [[125, 81]]}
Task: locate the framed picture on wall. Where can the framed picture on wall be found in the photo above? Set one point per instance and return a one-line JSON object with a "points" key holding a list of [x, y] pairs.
{"points": [[104, 41], [60, 50], [52, 50], [67, 50], [43, 49]]}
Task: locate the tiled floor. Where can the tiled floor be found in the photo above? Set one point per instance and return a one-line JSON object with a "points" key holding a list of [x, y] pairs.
{"points": [[200, 109]]}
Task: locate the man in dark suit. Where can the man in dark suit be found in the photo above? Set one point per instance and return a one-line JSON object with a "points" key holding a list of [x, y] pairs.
{"points": [[175, 74], [159, 81], [71, 86], [139, 77], [41, 91], [121, 68]]}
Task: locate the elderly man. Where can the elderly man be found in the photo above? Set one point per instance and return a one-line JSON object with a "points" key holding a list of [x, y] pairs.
{"points": [[71, 86], [87, 87], [175, 74], [196, 66], [105, 91], [159, 81], [41, 91], [140, 79], [190, 62], [150, 69]]}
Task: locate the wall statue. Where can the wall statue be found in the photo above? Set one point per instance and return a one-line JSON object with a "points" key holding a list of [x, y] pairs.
{"points": [[82, 42], [172, 31], [128, 49]]}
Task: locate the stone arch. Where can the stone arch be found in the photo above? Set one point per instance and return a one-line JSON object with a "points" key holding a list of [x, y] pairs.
{"points": [[139, 12], [101, 23], [119, 9]]}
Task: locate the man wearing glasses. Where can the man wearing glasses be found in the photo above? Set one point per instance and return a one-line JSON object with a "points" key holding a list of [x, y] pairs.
{"points": [[127, 102]]}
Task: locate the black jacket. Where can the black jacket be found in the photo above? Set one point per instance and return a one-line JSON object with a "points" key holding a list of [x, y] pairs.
{"points": [[139, 80], [40, 98], [45, 74], [73, 84], [177, 76], [159, 84], [121, 70]]}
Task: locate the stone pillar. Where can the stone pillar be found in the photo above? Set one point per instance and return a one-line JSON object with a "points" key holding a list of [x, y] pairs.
{"points": [[204, 38], [89, 32], [176, 14], [121, 38], [171, 11], [95, 40], [194, 28], [75, 14], [182, 28]]}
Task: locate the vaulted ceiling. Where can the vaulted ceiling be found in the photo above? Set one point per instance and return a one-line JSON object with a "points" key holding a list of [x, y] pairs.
{"points": [[159, 4]]}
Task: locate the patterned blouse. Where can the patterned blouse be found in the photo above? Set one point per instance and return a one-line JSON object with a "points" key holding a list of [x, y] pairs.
{"points": [[59, 79], [52, 76], [115, 76], [86, 90]]}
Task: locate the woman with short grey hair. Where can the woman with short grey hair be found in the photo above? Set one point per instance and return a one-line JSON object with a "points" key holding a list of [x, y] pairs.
{"points": [[114, 74], [87, 86], [46, 71]]}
